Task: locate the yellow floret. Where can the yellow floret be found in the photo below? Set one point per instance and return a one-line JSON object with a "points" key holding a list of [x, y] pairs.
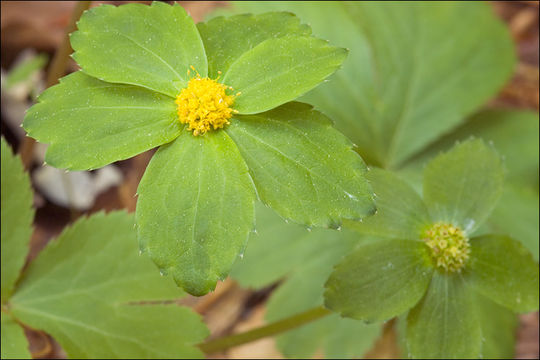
{"points": [[204, 105]]}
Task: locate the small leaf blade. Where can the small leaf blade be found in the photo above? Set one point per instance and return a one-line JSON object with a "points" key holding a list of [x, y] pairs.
{"points": [[302, 167], [268, 78], [196, 209], [91, 123], [380, 280], [226, 38], [503, 270], [463, 185], [16, 219], [444, 325], [149, 46]]}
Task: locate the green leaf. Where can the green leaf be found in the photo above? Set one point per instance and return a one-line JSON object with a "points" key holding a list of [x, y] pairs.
{"points": [[463, 185], [150, 46], [16, 218], [401, 213], [306, 259], [227, 38], [14, 342], [24, 70], [278, 249], [336, 337], [499, 327], [279, 70], [380, 280], [444, 325], [517, 215], [400, 75], [500, 128], [302, 167], [196, 209], [98, 298], [504, 270], [91, 123]]}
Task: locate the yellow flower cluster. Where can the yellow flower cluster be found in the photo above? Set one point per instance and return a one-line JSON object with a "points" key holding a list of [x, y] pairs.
{"points": [[205, 105], [449, 246]]}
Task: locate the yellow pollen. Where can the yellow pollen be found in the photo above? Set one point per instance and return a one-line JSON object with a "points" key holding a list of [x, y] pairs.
{"points": [[449, 246], [204, 105]]}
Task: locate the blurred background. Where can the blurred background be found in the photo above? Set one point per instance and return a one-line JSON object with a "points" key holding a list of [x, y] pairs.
{"points": [[33, 32]]}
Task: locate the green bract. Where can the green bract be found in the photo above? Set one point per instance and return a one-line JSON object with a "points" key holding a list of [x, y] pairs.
{"points": [[89, 288], [196, 199], [386, 278], [303, 260]]}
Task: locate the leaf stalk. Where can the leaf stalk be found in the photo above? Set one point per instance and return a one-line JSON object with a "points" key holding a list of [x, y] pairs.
{"points": [[275, 328]]}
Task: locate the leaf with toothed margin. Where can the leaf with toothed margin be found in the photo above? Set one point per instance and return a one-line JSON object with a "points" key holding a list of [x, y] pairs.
{"points": [[90, 123], [98, 298], [227, 38], [149, 46], [196, 209], [302, 167], [17, 215], [117, 72], [279, 70]]}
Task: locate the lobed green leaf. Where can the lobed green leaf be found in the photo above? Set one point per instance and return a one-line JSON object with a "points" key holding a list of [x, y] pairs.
{"points": [[279, 70], [227, 38], [196, 209], [16, 218], [444, 325], [463, 185], [503, 270], [98, 298], [90, 123], [149, 46], [302, 167], [380, 280]]}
